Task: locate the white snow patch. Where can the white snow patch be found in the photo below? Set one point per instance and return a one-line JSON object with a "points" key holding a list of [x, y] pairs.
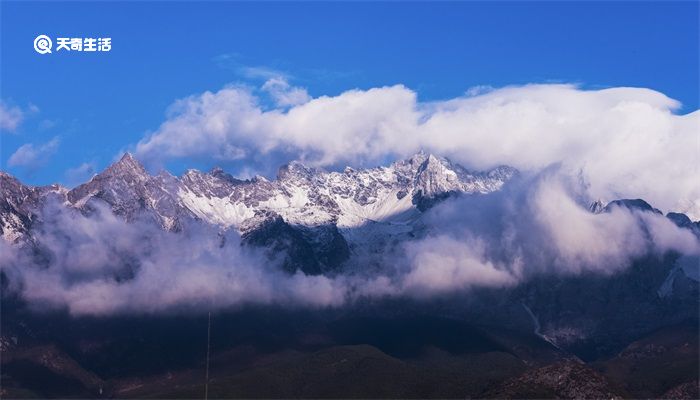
{"points": [[216, 210]]}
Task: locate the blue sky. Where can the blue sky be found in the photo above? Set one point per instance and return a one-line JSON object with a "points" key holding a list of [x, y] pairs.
{"points": [[92, 106]]}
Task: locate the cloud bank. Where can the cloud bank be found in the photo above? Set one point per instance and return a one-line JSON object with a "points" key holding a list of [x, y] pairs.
{"points": [[98, 264], [623, 142]]}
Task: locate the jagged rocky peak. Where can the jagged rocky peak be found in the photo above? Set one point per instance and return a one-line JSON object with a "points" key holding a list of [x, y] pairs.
{"points": [[122, 177], [434, 161], [131, 192], [302, 196], [437, 166], [218, 172], [423, 162], [295, 170], [415, 160], [127, 165]]}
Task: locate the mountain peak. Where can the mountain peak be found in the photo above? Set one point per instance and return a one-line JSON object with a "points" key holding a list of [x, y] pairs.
{"points": [[128, 159], [631, 204], [418, 158], [435, 165], [413, 162], [126, 168], [218, 172], [421, 159], [432, 159], [127, 164], [294, 169]]}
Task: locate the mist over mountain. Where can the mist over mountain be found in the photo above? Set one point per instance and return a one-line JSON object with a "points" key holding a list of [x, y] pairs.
{"points": [[127, 241], [374, 251], [349, 200]]}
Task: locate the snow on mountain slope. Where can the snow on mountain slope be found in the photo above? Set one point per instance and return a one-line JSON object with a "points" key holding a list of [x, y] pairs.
{"points": [[216, 210], [348, 199]]}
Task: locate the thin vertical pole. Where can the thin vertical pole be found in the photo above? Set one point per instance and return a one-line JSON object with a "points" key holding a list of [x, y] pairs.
{"points": [[206, 379]]}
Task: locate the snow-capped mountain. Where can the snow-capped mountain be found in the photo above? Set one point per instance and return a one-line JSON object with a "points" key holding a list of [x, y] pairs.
{"points": [[317, 218], [321, 215], [349, 199], [313, 221]]}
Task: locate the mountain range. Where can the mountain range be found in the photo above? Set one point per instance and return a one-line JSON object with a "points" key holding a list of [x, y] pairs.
{"points": [[606, 334], [319, 215]]}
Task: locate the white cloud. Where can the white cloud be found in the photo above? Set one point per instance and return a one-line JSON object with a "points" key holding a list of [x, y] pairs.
{"points": [[235, 62], [582, 241], [32, 156], [102, 264], [445, 263], [285, 95], [10, 117], [537, 225], [625, 142]]}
